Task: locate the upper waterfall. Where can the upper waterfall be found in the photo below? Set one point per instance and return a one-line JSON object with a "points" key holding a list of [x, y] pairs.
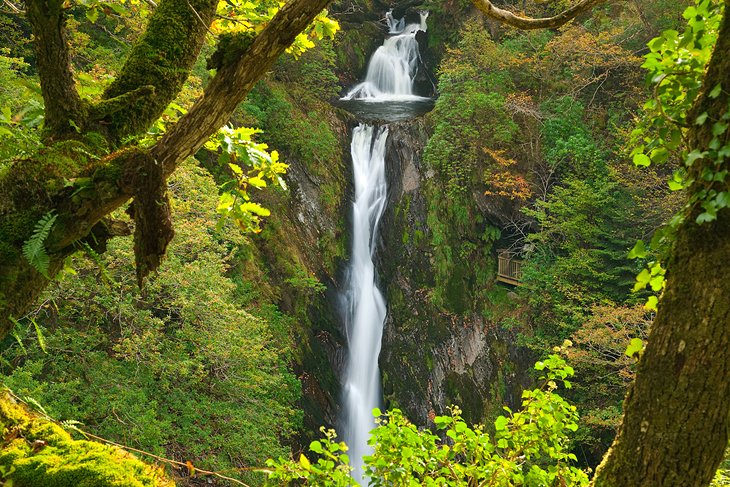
{"points": [[393, 66]]}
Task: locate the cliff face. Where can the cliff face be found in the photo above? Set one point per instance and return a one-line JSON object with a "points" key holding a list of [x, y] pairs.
{"points": [[434, 356]]}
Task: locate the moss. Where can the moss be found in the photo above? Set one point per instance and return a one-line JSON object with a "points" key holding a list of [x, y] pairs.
{"points": [[39, 453], [162, 59], [231, 46], [461, 389]]}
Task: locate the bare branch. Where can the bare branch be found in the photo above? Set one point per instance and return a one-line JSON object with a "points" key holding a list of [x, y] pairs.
{"points": [[13, 8], [528, 23]]}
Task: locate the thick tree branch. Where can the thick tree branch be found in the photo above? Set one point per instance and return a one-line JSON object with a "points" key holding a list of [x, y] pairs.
{"points": [[233, 82], [526, 23], [107, 184], [64, 111], [159, 64]]}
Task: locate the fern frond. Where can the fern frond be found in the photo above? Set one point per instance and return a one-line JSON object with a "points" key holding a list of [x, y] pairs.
{"points": [[34, 249]]}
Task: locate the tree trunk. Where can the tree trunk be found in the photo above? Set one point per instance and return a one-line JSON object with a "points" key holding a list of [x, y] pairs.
{"points": [[63, 108], [159, 63], [676, 414]]}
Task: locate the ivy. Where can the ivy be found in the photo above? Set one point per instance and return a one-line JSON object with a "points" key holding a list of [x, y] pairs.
{"points": [[676, 66]]}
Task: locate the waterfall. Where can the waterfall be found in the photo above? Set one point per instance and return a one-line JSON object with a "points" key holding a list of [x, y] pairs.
{"points": [[393, 66], [366, 306], [389, 79]]}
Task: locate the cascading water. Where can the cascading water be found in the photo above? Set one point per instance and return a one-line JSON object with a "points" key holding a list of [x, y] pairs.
{"points": [[393, 66], [390, 75], [366, 306]]}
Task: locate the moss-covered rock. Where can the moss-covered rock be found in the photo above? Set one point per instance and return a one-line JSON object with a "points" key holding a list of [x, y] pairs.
{"points": [[38, 453]]}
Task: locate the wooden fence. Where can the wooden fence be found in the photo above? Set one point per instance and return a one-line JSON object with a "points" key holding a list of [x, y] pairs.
{"points": [[509, 269]]}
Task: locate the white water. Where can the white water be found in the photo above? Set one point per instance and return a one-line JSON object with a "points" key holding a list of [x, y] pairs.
{"points": [[393, 66], [390, 77], [366, 306]]}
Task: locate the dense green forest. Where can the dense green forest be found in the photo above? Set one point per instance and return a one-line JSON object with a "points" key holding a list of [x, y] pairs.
{"points": [[177, 182]]}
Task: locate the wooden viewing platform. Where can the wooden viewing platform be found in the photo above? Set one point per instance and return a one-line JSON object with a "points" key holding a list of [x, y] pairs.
{"points": [[509, 269]]}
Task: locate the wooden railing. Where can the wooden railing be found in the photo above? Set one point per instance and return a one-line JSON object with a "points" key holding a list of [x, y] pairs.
{"points": [[509, 269]]}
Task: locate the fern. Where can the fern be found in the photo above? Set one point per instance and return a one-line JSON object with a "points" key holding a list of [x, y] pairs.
{"points": [[34, 249]]}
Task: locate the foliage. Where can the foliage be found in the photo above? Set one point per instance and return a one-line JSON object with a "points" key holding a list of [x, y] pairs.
{"points": [[603, 372], [252, 166], [578, 256], [502, 182], [528, 446], [20, 109], [34, 249], [234, 16], [676, 66], [136, 366]]}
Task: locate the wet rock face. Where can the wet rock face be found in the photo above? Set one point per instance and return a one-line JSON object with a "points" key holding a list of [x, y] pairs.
{"points": [[432, 358]]}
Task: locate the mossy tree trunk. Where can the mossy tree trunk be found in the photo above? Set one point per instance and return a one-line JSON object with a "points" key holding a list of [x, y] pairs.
{"points": [[63, 106], [676, 414], [150, 79]]}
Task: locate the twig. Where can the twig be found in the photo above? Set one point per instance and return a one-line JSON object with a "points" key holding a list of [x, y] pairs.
{"points": [[207, 27], [12, 7]]}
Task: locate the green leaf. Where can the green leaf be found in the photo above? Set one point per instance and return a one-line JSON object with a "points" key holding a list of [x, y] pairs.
{"points": [[639, 251], [723, 199], [316, 447], [701, 118], [304, 462], [635, 345], [705, 217], [719, 128], [34, 249], [642, 160], [657, 283], [255, 208], [501, 423], [39, 335], [716, 91], [651, 303], [92, 15], [257, 182], [642, 280], [676, 183]]}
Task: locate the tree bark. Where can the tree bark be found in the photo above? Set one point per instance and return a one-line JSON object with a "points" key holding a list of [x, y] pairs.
{"points": [[232, 83], [63, 108], [676, 414], [158, 64]]}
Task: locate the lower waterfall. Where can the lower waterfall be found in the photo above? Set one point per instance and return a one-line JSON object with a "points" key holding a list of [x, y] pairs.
{"points": [[365, 304]]}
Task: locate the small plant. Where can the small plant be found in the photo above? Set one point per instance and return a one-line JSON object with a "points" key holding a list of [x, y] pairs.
{"points": [[528, 447], [34, 249]]}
